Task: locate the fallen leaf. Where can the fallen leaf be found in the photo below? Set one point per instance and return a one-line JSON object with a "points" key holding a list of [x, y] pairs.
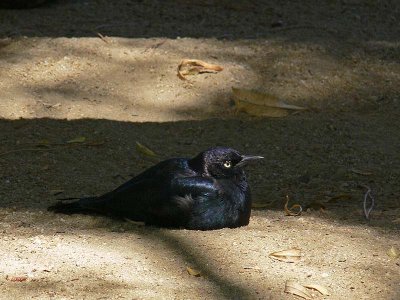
{"points": [[289, 211], [195, 66], [361, 172], [16, 278], [144, 150], [261, 104], [320, 288], [393, 252], [103, 38], [289, 255], [79, 139], [252, 268], [193, 272], [295, 288]]}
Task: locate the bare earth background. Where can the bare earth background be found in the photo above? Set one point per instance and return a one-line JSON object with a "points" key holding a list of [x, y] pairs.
{"points": [[59, 80]]}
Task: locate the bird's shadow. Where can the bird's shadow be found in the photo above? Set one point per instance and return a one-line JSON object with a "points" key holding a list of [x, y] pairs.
{"points": [[195, 259]]}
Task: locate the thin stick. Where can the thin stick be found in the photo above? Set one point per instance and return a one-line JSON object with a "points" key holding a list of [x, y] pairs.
{"points": [[103, 38], [366, 196], [155, 46]]}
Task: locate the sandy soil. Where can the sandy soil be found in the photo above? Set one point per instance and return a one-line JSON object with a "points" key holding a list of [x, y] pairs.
{"points": [[106, 71]]}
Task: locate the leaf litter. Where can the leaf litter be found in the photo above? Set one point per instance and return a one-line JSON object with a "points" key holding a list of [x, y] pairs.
{"points": [[393, 252], [295, 288], [318, 287], [289, 255], [290, 211], [193, 272], [142, 149], [196, 66], [16, 278], [302, 290], [262, 104]]}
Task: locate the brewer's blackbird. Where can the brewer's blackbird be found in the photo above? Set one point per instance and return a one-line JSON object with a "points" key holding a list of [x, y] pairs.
{"points": [[209, 191]]}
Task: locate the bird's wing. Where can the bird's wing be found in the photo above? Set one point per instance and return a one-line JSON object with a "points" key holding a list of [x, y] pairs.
{"points": [[194, 186], [148, 197], [131, 200], [215, 203], [202, 192]]}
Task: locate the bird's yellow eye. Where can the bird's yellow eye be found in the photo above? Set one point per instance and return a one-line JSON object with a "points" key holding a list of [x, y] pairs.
{"points": [[227, 164]]}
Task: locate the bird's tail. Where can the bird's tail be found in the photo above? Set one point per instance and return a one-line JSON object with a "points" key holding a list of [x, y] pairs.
{"points": [[69, 208]]}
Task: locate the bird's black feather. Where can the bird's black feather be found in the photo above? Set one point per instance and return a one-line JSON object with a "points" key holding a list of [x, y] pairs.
{"points": [[209, 191]]}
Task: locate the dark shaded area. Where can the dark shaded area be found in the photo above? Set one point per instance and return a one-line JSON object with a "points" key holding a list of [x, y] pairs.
{"points": [[21, 4], [209, 18], [313, 163]]}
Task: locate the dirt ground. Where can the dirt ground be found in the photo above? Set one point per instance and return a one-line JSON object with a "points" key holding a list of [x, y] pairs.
{"points": [[106, 71]]}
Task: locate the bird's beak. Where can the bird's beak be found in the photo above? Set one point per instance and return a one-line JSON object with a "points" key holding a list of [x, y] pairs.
{"points": [[247, 158]]}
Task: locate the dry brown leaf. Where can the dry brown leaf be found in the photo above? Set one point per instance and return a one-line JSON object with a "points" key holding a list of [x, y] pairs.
{"points": [[320, 288], [289, 255], [79, 139], [195, 66], [393, 252], [17, 278], [144, 150], [193, 272], [295, 288], [362, 172], [289, 211], [261, 104]]}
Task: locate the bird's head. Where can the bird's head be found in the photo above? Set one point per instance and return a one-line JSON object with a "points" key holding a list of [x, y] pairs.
{"points": [[221, 162]]}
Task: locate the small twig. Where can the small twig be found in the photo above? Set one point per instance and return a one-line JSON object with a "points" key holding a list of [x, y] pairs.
{"points": [[103, 38], [154, 46], [366, 196]]}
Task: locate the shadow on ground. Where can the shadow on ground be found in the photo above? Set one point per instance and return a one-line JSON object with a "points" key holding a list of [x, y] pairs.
{"points": [[319, 160], [346, 50], [207, 18]]}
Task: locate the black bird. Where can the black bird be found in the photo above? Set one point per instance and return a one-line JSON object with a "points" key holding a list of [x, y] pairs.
{"points": [[209, 191]]}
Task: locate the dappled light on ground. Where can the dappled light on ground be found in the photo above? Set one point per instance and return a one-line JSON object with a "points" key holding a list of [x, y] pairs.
{"points": [[62, 255], [130, 80], [103, 74], [135, 261]]}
